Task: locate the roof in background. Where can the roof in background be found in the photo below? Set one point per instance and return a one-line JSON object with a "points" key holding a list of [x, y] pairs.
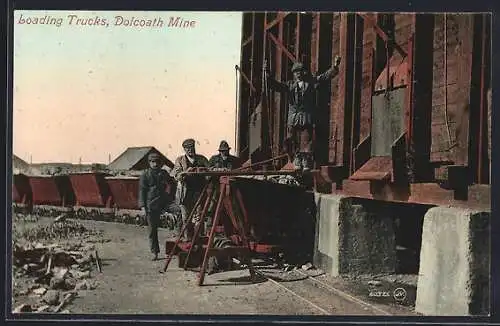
{"points": [[131, 156], [18, 162]]}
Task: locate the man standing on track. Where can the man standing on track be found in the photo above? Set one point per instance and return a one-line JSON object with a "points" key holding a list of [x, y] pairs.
{"points": [[154, 199]]}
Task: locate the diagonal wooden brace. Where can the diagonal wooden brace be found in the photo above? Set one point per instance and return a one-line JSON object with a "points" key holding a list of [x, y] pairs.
{"points": [[383, 35]]}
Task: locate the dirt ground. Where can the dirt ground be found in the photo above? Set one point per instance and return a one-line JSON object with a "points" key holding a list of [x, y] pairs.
{"points": [[130, 283]]}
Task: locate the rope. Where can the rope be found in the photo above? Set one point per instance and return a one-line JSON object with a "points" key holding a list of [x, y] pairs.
{"points": [[268, 104], [237, 109], [445, 63]]}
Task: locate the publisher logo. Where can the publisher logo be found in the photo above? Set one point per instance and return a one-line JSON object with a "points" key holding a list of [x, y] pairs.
{"points": [[399, 294]]}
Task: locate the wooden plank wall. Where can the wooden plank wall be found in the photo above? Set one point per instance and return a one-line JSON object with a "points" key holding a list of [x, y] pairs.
{"points": [[451, 87], [451, 81]]}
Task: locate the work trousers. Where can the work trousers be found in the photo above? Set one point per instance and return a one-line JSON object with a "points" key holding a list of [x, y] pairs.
{"points": [[302, 145], [188, 205], [153, 219], [302, 139]]}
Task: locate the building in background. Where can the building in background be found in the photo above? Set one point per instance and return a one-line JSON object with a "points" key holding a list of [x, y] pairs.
{"points": [[19, 165], [135, 159]]}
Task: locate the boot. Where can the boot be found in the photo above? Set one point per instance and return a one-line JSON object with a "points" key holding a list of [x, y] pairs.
{"points": [[307, 162], [179, 230], [297, 161]]}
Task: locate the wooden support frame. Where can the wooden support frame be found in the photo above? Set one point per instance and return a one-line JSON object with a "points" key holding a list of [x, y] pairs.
{"points": [[281, 16], [249, 40], [281, 46], [382, 34]]}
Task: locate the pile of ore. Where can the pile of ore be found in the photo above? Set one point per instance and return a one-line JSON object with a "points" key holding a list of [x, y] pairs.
{"points": [[56, 274], [281, 179], [51, 263], [65, 229]]}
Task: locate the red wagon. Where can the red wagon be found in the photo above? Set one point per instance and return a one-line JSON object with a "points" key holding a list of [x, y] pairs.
{"points": [[124, 192], [45, 191], [21, 190], [90, 189], [51, 194]]}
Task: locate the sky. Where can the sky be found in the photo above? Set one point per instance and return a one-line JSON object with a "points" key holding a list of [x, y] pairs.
{"points": [[87, 92]]}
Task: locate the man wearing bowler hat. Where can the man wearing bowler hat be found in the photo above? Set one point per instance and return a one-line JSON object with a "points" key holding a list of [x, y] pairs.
{"points": [[301, 94], [188, 187], [154, 199], [224, 160]]}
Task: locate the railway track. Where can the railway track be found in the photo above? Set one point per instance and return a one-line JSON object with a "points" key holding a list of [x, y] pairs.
{"points": [[321, 296]]}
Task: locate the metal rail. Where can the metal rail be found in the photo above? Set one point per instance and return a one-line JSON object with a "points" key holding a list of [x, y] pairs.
{"points": [[239, 173], [327, 287]]}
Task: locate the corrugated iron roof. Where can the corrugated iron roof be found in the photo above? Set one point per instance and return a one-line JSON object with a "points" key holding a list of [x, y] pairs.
{"points": [[133, 155]]}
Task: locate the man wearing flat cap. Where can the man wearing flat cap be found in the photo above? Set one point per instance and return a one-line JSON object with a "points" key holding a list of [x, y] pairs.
{"points": [[301, 94], [224, 160], [154, 199], [188, 187]]}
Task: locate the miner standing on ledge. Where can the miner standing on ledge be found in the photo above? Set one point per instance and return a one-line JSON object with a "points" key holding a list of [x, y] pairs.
{"points": [[301, 93]]}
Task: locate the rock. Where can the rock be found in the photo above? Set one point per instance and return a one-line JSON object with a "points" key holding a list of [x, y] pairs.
{"points": [[307, 266], [91, 285], [374, 283], [70, 283], [57, 283], [44, 279], [83, 285], [43, 308], [43, 258], [63, 259], [51, 297], [61, 218], [40, 291], [60, 272], [66, 311], [22, 308], [80, 275]]}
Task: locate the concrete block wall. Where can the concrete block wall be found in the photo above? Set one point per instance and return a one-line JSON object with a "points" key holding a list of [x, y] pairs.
{"points": [[352, 240], [454, 276], [454, 272]]}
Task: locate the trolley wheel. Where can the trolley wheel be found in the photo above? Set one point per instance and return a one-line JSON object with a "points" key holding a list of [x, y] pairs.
{"points": [[125, 218]]}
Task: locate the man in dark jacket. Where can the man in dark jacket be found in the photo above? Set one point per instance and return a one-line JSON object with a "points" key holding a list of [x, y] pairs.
{"points": [[301, 94], [224, 160], [188, 187], [153, 199]]}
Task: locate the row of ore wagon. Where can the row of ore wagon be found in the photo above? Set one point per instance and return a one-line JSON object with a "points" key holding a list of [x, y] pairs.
{"points": [[88, 195], [279, 215]]}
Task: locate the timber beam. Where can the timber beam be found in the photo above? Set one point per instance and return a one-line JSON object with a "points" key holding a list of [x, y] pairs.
{"points": [[247, 41], [383, 35], [476, 196], [282, 47], [277, 20], [245, 77]]}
